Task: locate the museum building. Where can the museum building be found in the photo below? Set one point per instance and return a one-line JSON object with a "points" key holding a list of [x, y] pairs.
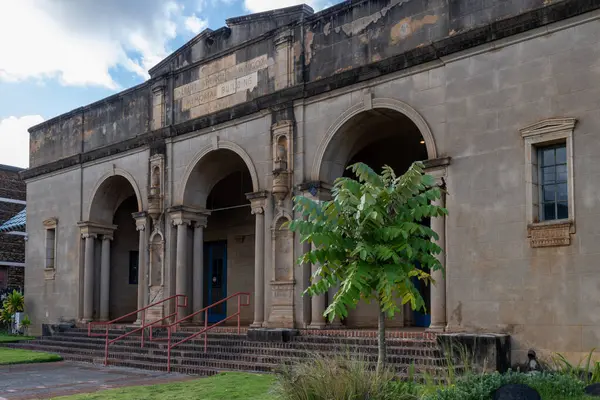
{"points": [[182, 184]]}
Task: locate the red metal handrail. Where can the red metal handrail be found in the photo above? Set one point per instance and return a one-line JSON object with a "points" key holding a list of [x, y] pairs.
{"points": [[142, 327], [206, 328]]}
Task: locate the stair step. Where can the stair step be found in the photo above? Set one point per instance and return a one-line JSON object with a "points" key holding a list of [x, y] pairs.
{"points": [[247, 346], [228, 350], [296, 339], [287, 357]]}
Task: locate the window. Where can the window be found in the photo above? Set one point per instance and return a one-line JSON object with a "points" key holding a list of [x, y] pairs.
{"points": [[50, 246], [50, 257], [134, 257], [550, 188], [553, 178]]}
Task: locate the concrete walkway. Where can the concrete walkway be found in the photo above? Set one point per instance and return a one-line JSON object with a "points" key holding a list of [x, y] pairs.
{"points": [[48, 380]]}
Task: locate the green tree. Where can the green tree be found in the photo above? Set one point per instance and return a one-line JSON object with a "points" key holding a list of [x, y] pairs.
{"points": [[371, 241]]}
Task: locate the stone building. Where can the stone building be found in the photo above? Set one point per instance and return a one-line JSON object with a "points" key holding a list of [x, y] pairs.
{"points": [[181, 185], [12, 243]]}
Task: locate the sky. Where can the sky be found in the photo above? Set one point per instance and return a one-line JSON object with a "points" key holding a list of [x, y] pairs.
{"points": [[58, 55]]}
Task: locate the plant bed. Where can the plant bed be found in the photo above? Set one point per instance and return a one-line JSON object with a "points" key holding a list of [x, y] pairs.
{"points": [[5, 338], [19, 356], [229, 385]]}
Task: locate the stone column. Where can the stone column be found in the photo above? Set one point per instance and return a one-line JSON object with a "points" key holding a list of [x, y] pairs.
{"points": [[105, 278], [306, 299], [317, 320], [88, 277], [319, 192], [141, 221], [198, 268], [337, 322], [438, 290], [258, 201], [182, 273]]}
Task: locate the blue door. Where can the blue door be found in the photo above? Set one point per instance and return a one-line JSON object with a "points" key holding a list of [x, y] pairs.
{"points": [[422, 318], [215, 276]]}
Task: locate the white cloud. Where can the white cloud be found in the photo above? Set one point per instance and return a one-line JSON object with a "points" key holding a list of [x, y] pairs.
{"points": [[195, 24], [14, 139], [265, 5], [79, 42]]}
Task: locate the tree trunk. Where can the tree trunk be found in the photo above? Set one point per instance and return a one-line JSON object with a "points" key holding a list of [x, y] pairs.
{"points": [[381, 341]]}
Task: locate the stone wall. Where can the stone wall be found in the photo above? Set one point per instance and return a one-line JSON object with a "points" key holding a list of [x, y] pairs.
{"points": [[487, 82], [117, 119], [273, 58]]}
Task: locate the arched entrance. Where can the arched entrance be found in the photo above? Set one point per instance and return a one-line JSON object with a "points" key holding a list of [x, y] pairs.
{"points": [[221, 233], [112, 251], [377, 137]]}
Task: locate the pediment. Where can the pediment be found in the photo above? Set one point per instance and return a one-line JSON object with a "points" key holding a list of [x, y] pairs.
{"points": [[548, 126]]}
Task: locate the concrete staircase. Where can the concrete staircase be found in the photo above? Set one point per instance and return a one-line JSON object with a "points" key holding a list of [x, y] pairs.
{"points": [[228, 351]]}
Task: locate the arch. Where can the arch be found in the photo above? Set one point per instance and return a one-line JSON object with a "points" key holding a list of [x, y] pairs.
{"points": [[103, 179], [381, 103], [218, 145], [281, 215], [154, 234]]}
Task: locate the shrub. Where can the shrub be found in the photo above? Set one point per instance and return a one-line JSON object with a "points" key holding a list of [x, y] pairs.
{"points": [[341, 378], [587, 369], [14, 302], [477, 387]]}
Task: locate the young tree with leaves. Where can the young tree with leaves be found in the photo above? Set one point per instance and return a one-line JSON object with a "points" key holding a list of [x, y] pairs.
{"points": [[370, 240]]}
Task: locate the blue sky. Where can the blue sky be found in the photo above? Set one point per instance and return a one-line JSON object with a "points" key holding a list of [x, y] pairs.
{"points": [[67, 53]]}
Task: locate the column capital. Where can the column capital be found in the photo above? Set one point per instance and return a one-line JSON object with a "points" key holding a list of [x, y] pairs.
{"points": [[141, 220], [181, 215], [437, 168], [108, 237], [95, 228], [89, 235], [258, 201], [201, 221]]}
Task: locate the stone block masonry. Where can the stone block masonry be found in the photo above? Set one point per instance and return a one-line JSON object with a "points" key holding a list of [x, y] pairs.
{"points": [[242, 119]]}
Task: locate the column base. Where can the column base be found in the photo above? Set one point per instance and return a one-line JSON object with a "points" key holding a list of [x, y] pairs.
{"points": [[438, 328], [317, 325], [86, 320], [336, 324], [256, 325], [138, 322]]}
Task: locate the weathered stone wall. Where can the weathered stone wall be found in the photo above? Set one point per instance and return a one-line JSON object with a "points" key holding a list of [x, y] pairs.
{"points": [[544, 297], [113, 120], [54, 196], [472, 100]]}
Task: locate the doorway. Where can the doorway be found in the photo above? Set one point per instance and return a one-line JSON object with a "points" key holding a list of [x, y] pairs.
{"points": [[215, 274]]}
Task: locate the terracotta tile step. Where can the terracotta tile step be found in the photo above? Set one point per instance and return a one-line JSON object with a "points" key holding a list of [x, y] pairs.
{"points": [[286, 358], [390, 333], [224, 353], [248, 346], [297, 339], [197, 367], [243, 349], [120, 358]]}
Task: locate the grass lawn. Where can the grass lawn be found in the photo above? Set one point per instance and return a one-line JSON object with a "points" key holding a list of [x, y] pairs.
{"points": [[20, 356], [225, 386], [4, 338]]}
